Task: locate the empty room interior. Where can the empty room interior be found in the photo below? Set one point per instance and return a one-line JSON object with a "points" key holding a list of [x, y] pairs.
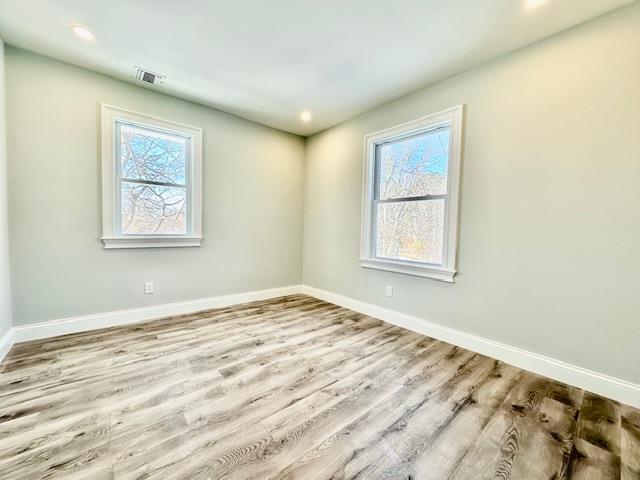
{"points": [[314, 240]]}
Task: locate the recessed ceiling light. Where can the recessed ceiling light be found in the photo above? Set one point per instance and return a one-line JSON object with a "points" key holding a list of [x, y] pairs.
{"points": [[535, 3], [82, 33], [305, 116]]}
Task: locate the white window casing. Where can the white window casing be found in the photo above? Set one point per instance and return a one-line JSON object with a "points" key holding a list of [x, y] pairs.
{"points": [[112, 235], [452, 120]]}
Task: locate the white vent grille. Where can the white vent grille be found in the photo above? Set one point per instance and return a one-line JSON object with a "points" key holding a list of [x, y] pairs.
{"points": [[148, 76]]}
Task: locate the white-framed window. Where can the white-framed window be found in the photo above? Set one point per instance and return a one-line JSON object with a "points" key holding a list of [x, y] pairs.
{"points": [[410, 204], [151, 181]]}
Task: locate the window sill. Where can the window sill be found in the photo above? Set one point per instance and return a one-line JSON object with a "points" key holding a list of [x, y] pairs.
{"points": [[150, 242], [409, 268]]}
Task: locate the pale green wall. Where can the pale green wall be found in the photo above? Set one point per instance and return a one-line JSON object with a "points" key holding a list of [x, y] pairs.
{"points": [[549, 251], [5, 293], [550, 212], [252, 200]]}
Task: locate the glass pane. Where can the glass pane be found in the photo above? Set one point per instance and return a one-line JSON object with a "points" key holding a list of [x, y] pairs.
{"points": [[153, 209], [147, 154], [414, 167], [411, 231]]}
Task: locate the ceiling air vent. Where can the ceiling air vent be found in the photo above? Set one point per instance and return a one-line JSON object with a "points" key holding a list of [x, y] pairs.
{"points": [[149, 77]]}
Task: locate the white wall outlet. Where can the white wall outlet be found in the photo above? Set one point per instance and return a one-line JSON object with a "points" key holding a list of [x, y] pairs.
{"points": [[388, 291], [148, 287]]}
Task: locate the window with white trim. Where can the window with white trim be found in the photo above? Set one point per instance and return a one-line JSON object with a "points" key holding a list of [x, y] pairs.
{"points": [[151, 181], [410, 205]]}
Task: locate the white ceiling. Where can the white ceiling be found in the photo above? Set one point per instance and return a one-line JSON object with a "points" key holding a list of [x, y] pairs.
{"points": [[267, 60]]}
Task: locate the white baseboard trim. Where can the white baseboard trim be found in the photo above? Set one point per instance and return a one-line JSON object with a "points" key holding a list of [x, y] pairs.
{"points": [[36, 331], [6, 342], [611, 387]]}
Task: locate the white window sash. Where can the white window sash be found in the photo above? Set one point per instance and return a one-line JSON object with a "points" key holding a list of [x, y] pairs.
{"points": [[112, 236], [451, 119]]}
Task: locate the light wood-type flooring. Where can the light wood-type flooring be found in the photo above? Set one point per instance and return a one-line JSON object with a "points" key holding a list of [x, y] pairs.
{"points": [[295, 388]]}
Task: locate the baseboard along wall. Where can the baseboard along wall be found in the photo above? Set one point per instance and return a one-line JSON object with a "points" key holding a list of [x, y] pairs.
{"points": [[614, 388], [6, 342], [64, 326], [608, 386]]}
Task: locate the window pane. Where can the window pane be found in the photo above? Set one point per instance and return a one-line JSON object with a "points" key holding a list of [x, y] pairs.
{"points": [[147, 154], [153, 209], [414, 167], [411, 231]]}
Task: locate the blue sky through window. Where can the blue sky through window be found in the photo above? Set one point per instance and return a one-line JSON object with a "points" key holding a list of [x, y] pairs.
{"points": [[429, 153], [152, 155], [415, 166]]}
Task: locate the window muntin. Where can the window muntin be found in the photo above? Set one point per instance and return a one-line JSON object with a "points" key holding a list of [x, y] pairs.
{"points": [[410, 196]]}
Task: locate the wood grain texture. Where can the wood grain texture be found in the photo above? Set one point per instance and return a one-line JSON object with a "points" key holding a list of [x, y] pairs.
{"points": [[295, 388]]}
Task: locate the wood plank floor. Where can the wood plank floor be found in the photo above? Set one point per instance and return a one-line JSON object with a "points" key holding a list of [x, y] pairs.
{"points": [[295, 388]]}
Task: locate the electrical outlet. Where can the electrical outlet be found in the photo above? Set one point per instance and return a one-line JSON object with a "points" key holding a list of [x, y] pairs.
{"points": [[148, 287], [389, 291]]}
